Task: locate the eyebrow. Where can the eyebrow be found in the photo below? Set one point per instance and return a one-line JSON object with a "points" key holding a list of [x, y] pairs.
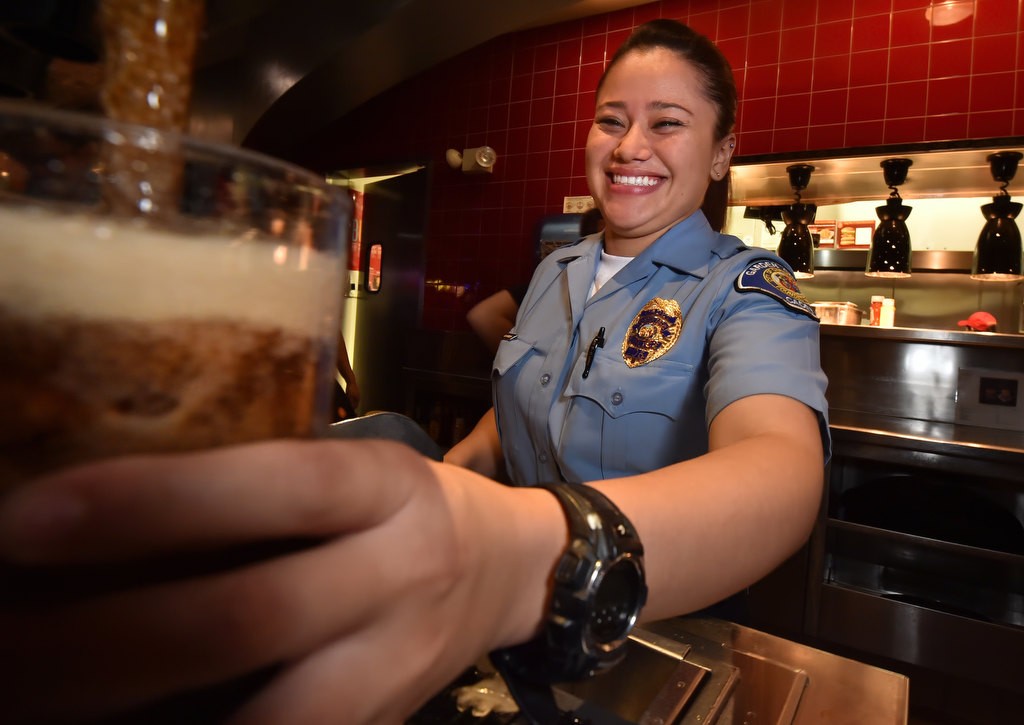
{"points": [[653, 105]]}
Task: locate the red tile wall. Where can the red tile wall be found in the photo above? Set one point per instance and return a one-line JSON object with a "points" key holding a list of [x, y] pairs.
{"points": [[812, 75]]}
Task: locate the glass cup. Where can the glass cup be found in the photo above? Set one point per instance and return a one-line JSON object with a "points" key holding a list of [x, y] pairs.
{"points": [[158, 293]]}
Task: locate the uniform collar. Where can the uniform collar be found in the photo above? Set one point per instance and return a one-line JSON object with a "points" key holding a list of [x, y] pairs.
{"points": [[689, 246]]}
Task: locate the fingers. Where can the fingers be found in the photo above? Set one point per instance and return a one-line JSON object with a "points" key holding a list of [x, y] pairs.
{"points": [[134, 507], [103, 655]]}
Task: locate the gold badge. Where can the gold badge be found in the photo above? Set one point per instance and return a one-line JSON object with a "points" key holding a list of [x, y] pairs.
{"points": [[652, 333]]}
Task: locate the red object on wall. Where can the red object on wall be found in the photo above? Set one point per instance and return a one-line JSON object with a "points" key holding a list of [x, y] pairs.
{"points": [[811, 74]]}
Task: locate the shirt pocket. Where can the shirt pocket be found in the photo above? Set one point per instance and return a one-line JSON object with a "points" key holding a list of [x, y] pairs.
{"points": [[641, 418], [509, 353]]}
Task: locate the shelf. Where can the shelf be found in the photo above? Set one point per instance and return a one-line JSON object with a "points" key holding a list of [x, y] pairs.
{"points": [[942, 173]]}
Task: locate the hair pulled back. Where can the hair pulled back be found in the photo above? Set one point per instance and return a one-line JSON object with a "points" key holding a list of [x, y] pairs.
{"points": [[714, 70], [717, 84]]}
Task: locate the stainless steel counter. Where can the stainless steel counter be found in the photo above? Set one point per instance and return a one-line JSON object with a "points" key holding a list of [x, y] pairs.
{"points": [[756, 677]]}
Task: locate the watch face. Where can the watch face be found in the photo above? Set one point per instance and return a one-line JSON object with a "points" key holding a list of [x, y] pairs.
{"points": [[619, 595]]}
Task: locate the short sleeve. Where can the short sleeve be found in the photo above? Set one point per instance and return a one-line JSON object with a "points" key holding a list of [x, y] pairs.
{"points": [[760, 346]]}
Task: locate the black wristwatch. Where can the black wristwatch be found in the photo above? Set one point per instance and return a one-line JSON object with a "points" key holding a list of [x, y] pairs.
{"points": [[599, 590]]}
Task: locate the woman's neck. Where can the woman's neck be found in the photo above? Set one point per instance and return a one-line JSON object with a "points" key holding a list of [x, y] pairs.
{"points": [[626, 246]]}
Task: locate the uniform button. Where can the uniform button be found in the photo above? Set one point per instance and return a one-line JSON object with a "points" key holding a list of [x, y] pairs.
{"points": [[543, 457], [616, 398], [545, 379]]}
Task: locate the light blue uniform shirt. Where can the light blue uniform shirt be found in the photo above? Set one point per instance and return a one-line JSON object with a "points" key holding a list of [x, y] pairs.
{"points": [[555, 424]]}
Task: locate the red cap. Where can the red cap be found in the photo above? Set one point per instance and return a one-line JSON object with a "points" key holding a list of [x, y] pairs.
{"points": [[979, 322]]}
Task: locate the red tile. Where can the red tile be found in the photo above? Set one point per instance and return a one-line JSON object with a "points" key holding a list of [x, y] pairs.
{"points": [[898, 5], [643, 13], [539, 139], [564, 108], [948, 95], [560, 165], [909, 63], [589, 76], [545, 57], [866, 133], [994, 54], [946, 128], [796, 77], [541, 111], [992, 92], [905, 100], [705, 23], [595, 25], [500, 90], [569, 53], [904, 130], [951, 58], [831, 73], [518, 138], [735, 51], [832, 39], [789, 139], [537, 182], [797, 43], [793, 111], [960, 29], [582, 131], [586, 103], [519, 114], [615, 39], [870, 33], [761, 81], [910, 28], [620, 19], [766, 15], [757, 115], [991, 124], [522, 88], [733, 22], [543, 84], [827, 137], [798, 13], [592, 49], [752, 143], [567, 80], [763, 48], [992, 17], [871, 7], [866, 104], [477, 120], [675, 9], [869, 68], [829, 107], [563, 135], [522, 61], [832, 10]]}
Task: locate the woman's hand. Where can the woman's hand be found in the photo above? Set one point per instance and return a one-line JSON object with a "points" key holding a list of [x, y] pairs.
{"points": [[420, 568]]}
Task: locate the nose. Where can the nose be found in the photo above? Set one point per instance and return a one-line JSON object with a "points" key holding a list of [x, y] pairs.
{"points": [[633, 146]]}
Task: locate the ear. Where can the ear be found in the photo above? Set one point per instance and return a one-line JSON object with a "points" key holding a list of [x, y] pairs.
{"points": [[723, 156]]}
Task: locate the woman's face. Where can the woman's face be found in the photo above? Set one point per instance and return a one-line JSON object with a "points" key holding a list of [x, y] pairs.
{"points": [[651, 152]]}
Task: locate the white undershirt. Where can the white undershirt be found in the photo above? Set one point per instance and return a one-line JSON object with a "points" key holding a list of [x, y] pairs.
{"points": [[606, 269]]}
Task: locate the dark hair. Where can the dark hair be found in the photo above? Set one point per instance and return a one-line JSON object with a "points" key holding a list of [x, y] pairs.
{"points": [[591, 222], [718, 85]]}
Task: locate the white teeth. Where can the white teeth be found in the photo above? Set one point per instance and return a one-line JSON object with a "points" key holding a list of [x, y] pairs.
{"points": [[635, 180]]}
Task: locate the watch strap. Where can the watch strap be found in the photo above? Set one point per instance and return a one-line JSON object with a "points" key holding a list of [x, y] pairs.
{"points": [[569, 647]]}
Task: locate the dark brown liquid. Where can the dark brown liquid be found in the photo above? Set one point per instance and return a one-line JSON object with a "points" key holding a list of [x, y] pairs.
{"points": [[74, 391]]}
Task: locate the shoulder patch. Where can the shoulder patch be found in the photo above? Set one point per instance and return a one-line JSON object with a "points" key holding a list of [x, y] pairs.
{"points": [[771, 278]]}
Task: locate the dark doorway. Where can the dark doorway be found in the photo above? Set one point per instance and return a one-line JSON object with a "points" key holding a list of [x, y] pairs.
{"points": [[387, 305]]}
